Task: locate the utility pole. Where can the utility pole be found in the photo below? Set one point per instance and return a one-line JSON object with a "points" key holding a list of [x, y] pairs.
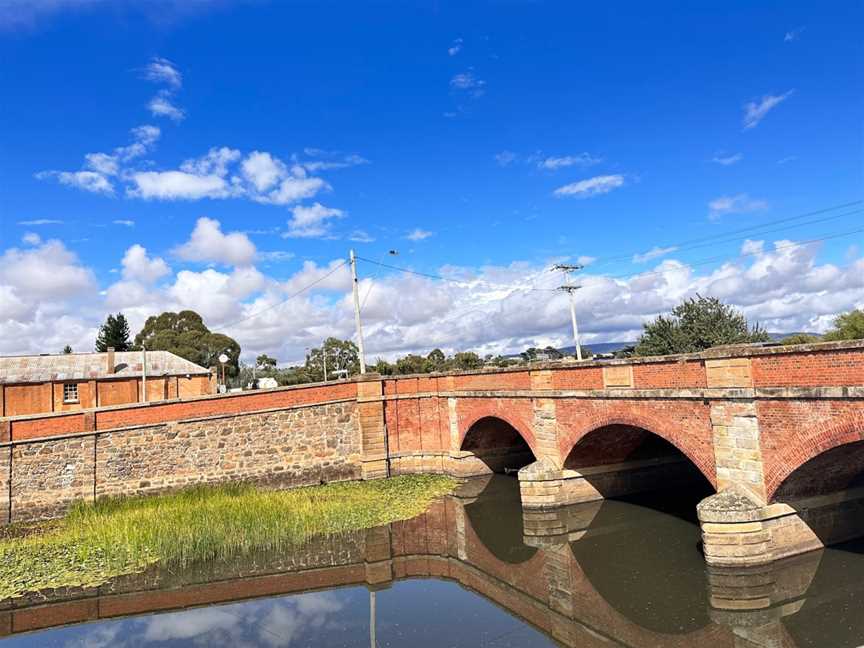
{"points": [[571, 289], [356, 291], [143, 373], [324, 358]]}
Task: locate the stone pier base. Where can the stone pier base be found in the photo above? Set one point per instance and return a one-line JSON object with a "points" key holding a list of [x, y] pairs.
{"points": [[738, 531], [542, 485]]}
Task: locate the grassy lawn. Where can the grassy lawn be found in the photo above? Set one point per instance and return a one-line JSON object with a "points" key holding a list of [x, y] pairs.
{"points": [[96, 542]]}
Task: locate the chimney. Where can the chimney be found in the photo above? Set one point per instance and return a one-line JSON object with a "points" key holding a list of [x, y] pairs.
{"points": [[109, 361]]}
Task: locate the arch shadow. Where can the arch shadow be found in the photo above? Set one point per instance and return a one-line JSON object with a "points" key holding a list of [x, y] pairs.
{"points": [[628, 462], [498, 444], [827, 492]]}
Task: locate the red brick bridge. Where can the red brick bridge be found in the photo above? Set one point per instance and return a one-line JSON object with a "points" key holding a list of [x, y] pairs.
{"points": [[777, 433]]}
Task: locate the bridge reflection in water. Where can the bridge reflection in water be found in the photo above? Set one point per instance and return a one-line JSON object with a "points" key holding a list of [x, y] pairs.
{"points": [[596, 574]]}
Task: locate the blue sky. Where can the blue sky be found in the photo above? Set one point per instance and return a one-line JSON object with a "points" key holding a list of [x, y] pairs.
{"points": [[483, 141]]}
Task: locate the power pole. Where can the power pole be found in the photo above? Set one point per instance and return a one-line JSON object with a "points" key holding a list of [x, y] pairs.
{"points": [[571, 289], [356, 291]]}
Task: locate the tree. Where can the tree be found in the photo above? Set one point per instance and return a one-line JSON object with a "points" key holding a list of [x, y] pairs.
{"points": [[67, 349], [467, 360], [340, 354], [383, 368], [695, 325], [800, 338], [265, 363], [436, 360], [848, 326], [114, 333], [411, 364], [186, 335]]}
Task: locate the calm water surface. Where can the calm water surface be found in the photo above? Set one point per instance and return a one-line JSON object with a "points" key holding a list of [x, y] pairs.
{"points": [[474, 570]]}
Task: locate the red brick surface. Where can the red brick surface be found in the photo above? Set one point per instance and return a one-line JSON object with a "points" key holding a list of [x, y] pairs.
{"points": [[683, 423], [816, 369]]}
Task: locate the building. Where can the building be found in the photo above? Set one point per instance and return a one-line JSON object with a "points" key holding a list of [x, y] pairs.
{"points": [[75, 381]]}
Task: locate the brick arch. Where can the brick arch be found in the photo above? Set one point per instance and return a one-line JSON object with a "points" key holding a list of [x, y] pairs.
{"points": [[502, 412], [698, 451], [796, 452]]}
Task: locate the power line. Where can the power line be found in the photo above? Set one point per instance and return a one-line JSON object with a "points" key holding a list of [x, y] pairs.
{"points": [[742, 255], [449, 280], [290, 297], [751, 229]]}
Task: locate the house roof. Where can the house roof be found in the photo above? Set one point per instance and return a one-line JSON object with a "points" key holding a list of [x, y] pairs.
{"points": [[93, 366]]}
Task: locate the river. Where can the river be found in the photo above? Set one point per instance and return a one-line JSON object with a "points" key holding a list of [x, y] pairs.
{"points": [[474, 570]]}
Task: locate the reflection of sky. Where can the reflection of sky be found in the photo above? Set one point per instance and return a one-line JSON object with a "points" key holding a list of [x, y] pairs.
{"points": [[416, 613]]}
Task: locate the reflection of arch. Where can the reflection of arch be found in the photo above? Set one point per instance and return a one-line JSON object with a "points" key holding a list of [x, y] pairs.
{"points": [[687, 444], [790, 456], [497, 442], [496, 518], [631, 555]]}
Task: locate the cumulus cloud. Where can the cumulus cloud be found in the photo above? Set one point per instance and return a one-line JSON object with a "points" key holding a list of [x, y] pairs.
{"points": [[755, 111], [505, 158], [209, 243], [311, 221], [793, 35], [455, 48], [138, 266], [740, 203], [165, 73], [49, 298], [591, 187]]}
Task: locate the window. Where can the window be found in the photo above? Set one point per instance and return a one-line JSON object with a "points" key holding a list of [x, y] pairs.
{"points": [[70, 393]]}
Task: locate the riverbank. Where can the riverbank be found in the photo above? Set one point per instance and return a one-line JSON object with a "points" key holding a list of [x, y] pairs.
{"points": [[96, 542]]}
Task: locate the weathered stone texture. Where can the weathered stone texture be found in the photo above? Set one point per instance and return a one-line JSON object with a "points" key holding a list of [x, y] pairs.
{"points": [[288, 448], [48, 476]]}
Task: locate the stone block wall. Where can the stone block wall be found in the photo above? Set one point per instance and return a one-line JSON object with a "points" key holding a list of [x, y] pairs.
{"points": [[300, 446]]}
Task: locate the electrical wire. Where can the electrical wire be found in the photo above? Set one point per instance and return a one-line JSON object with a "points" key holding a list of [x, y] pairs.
{"points": [[742, 255], [752, 229], [290, 297]]}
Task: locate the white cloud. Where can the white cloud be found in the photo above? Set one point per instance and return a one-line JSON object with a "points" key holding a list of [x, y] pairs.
{"points": [[793, 35], [49, 298], [311, 221], [787, 159], [31, 238], [585, 260], [86, 180], [455, 48], [361, 236], [727, 160], [592, 186], [468, 82], [102, 163], [740, 203], [161, 70], [137, 266], [209, 243], [49, 271], [161, 106], [653, 253], [41, 221], [555, 163], [176, 185], [262, 170], [418, 234], [755, 111], [505, 158], [124, 222]]}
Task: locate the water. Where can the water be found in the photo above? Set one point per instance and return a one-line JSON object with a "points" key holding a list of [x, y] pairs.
{"points": [[474, 570]]}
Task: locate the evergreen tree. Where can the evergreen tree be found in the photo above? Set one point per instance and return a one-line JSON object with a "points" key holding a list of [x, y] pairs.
{"points": [[695, 325], [849, 326], [67, 349], [114, 333]]}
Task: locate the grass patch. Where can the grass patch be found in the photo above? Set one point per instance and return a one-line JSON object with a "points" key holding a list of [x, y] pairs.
{"points": [[95, 542]]}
